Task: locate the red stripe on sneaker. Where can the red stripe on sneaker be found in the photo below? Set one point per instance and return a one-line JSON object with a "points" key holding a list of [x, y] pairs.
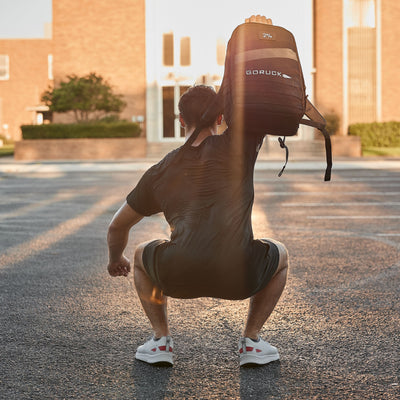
{"points": [[164, 348], [248, 348], [153, 349], [258, 350]]}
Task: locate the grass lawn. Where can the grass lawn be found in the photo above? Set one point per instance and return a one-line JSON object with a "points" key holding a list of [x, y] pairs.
{"points": [[381, 151], [7, 150]]}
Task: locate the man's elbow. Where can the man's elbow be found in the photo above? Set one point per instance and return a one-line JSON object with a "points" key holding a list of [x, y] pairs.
{"points": [[123, 220], [116, 227]]}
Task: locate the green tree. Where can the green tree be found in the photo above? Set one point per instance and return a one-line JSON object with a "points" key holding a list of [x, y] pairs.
{"points": [[89, 97]]}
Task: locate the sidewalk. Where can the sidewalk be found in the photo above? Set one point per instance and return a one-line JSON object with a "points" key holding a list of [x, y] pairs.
{"points": [[9, 166]]}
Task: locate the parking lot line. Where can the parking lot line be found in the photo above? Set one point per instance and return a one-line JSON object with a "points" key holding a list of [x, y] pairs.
{"points": [[344, 204], [353, 217], [38, 204], [327, 193], [45, 240]]}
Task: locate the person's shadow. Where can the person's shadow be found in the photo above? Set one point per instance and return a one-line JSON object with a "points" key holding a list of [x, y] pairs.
{"points": [[260, 382], [150, 382]]}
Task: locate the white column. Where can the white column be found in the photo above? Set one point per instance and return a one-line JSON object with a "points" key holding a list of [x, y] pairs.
{"points": [[378, 24], [345, 84], [153, 90]]}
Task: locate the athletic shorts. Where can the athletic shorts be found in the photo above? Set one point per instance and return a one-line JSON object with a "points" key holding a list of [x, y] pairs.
{"points": [[272, 263], [264, 276]]}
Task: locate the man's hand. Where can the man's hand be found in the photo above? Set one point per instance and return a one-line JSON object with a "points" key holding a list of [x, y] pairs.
{"points": [[117, 239], [260, 19], [121, 267]]}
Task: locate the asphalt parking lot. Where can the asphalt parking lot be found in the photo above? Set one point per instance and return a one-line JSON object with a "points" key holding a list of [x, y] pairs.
{"points": [[69, 331]]}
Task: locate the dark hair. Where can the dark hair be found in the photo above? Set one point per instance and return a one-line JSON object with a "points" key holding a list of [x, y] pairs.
{"points": [[194, 103]]}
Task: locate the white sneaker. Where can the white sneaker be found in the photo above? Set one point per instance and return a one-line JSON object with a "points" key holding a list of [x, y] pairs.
{"points": [[156, 351], [260, 352]]}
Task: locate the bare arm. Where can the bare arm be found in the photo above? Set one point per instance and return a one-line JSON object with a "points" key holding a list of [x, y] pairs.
{"points": [[117, 239]]}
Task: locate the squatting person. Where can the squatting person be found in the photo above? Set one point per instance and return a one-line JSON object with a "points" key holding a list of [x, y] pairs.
{"points": [[206, 195]]}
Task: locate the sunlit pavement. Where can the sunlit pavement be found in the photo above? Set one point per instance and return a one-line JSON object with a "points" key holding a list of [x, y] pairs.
{"points": [[68, 330]]}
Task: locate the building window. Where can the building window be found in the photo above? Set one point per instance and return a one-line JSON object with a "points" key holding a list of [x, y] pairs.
{"points": [[362, 61], [361, 13], [50, 66], [221, 51], [185, 51], [4, 67], [168, 49]]}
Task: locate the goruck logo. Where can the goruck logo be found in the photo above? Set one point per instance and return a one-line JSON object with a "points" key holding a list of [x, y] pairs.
{"points": [[267, 72], [265, 36]]}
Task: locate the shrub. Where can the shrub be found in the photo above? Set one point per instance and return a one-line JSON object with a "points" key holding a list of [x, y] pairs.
{"points": [[332, 123], [89, 97], [110, 118], [119, 129], [377, 134]]}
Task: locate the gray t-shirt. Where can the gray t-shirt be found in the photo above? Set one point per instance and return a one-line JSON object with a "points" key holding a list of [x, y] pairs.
{"points": [[206, 197]]}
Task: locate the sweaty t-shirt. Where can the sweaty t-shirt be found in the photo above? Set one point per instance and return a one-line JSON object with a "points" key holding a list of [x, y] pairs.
{"points": [[206, 197]]}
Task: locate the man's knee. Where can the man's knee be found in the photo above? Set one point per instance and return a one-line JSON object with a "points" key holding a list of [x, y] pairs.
{"points": [[283, 263]]}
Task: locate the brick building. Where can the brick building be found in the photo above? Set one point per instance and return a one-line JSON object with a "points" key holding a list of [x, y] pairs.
{"points": [[103, 37], [356, 59], [349, 51], [25, 72]]}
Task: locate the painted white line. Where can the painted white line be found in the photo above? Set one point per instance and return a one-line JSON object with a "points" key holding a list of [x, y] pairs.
{"points": [[45, 240], [145, 163], [75, 167], [339, 181], [371, 179], [388, 234], [371, 185], [354, 217], [327, 193], [348, 193], [348, 204], [39, 204], [337, 165]]}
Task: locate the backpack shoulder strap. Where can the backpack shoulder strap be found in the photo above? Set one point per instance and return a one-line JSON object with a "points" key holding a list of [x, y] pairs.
{"points": [[316, 120]]}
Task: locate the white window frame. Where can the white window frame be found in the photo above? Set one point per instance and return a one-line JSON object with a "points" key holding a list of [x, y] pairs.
{"points": [[346, 24], [5, 66], [50, 67]]}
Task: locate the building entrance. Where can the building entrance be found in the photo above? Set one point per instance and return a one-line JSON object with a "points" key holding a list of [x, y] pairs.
{"points": [[170, 99]]}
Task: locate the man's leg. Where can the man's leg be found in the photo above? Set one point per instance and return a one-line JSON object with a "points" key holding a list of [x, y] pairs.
{"points": [[263, 303], [153, 301]]}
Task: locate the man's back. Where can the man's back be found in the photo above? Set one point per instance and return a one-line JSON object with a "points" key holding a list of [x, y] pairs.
{"points": [[207, 199]]}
